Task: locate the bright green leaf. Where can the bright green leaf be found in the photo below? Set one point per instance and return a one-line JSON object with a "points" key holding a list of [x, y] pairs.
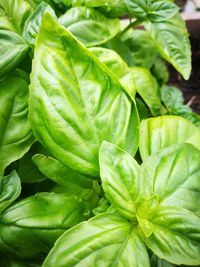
{"points": [[10, 189], [15, 131], [89, 25], [120, 179], [106, 240], [75, 102], [164, 131]]}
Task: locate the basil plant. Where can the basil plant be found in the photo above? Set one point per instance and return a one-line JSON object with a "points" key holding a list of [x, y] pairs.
{"points": [[99, 157]]}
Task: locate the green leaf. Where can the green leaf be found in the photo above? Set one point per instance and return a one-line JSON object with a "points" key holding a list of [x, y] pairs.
{"points": [[75, 101], [6, 261], [33, 23], [106, 240], [15, 131], [164, 131], [40, 219], [171, 39], [157, 262], [10, 189], [160, 71], [138, 8], [173, 99], [162, 11], [120, 179], [142, 49], [89, 25], [16, 12], [74, 182], [173, 175], [148, 89], [13, 49], [175, 235], [118, 68]]}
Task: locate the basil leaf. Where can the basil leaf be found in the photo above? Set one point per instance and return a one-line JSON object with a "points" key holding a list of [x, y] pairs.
{"points": [[120, 179], [89, 25], [13, 49], [17, 12], [106, 240], [161, 11], [157, 262], [33, 23], [75, 102], [173, 175], [171, 39], [118, 68], [42, 219], [148, 89], [15, 132], [160, 72], [138, 8], [179, 228], [164, 131], [143, 52], [10, 189]]}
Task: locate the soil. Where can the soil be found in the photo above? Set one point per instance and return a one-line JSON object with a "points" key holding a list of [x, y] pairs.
{"points": [[190, 88]]}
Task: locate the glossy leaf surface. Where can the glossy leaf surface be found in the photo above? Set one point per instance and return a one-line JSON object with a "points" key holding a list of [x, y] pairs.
{"points": [[171, 39], [10, 188], [75, 102], [42, 219], [120, 179], [15, 131], [89, 26], [164, 131], [107, 240], [13, 49]]}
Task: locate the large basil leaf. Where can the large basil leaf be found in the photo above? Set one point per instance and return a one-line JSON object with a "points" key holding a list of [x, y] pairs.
{"points": [[15, 131], [148, 89], [89, 25], [13, 49], [106, 240], [33, 23], [6, 261], [157, 262], [75, 101], [173, 175], [42, 219], [118, 68], [171, 38], [173, 234], [10, 189], [17, 12], [142, 48], [164, 131], [120, 179]]}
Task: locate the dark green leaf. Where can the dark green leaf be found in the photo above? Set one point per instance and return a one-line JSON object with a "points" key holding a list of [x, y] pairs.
{"points": [[89, 25], [10, 189], [15, 131], [13, 49], [75, 101]]}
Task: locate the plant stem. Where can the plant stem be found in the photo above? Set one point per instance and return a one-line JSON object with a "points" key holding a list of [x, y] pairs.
{"points": [[131, 25]]}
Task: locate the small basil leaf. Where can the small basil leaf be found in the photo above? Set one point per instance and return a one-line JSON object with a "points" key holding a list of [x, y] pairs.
{"points": [[106, 240], [173, 175], [174, 226], [120, 179], [164, 131], [17, 12], [142, 48], [32, 25], [15, 131], [171, 39], [42, 219], [162, 11], [13, 49], [10, 189], [138, 8], [118, 68], [75, 101], [148, 89], [89, 25]]}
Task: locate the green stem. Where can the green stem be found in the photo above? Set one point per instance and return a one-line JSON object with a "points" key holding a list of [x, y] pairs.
{"points": [[131, 25]]}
